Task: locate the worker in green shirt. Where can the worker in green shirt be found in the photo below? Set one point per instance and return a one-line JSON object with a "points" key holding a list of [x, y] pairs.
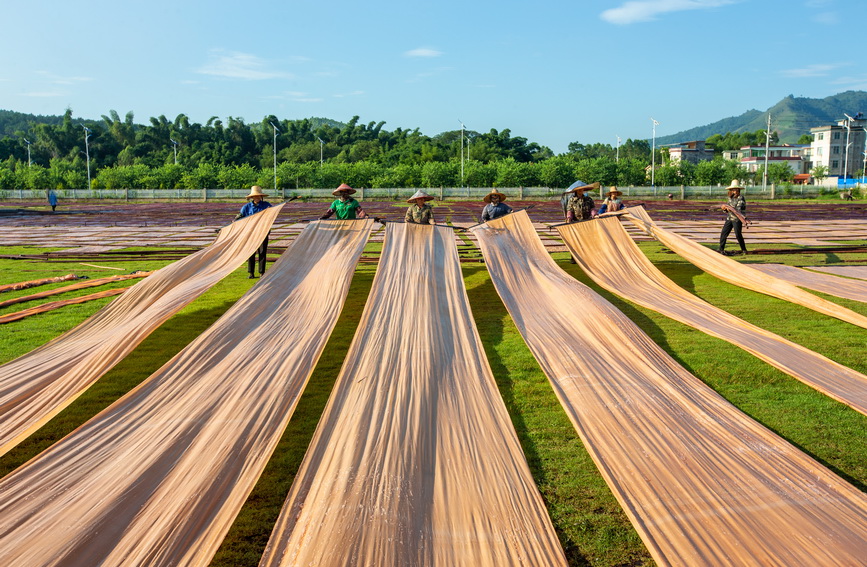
{"points": [[345, 206]]}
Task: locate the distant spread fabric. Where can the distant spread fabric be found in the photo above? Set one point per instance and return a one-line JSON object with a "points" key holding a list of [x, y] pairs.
{"points": [[37, 386], [703, 484], [73, 287], [608, 255], [52, 305], [158, 477], [739, 274], [415, 460], [859, 272]]}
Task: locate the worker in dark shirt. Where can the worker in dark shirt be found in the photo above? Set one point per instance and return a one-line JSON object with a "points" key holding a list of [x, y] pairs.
{"points": [[255, 204]]}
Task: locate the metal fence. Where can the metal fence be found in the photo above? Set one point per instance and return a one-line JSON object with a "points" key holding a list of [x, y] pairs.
{"points": [[679, 192]]}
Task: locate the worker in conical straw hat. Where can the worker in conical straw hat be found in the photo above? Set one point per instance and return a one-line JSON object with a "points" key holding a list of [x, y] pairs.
{"points": [[495, 206], [419, 211], [612, 201], [579, 205], [345, 206], [735, 208], [256, 203]]}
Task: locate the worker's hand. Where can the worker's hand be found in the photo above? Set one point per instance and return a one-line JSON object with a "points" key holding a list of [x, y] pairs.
{"points": [[323, 217]]}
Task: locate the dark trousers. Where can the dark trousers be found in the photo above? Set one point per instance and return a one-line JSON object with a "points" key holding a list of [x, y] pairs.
{"points": [[726, 229], [263, 254]]}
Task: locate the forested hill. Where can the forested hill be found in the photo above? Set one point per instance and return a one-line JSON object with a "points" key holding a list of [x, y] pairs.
{"points": [[791, 118], [12, 122]]}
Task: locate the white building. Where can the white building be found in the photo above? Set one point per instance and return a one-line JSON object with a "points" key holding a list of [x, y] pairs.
{"points": [[841, 147], [753, 157], [692, 152]]}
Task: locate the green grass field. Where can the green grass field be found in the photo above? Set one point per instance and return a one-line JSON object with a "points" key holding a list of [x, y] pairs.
{"points": [[590, 523]]}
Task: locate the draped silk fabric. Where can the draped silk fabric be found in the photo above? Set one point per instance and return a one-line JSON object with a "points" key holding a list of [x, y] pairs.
{"points": [[702, 483], [37, 386], [608, 255], [739, 274], [415, 460], [158, 477], [832, 285]]}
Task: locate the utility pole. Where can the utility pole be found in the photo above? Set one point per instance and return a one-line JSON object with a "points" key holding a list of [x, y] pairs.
{"points": [[321, 145], [275, 153], [175, 148], [26, 141], [849, 120], [767, 149], [462, 151], [87, 153], [617, 154]]}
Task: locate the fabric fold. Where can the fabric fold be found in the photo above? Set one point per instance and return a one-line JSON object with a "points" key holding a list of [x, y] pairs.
{"points": [[158, 477], [608, 255], [415, 460], [37, 386], [702, 483], [738, 274]]}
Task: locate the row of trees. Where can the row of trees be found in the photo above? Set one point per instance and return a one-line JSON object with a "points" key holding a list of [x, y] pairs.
{"points": [[315, 152], [555, 172], [116, 141]]}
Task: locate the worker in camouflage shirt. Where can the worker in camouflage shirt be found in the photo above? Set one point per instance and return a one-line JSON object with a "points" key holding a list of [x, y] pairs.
{"points": [[735, 209], [579, 205], [419, 211]]}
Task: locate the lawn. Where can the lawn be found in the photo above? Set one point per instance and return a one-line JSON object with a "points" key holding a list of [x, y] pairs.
{"points": [[592, 527]]}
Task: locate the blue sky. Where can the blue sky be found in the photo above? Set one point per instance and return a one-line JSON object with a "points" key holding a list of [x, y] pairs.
{"points": [[553, 72]]}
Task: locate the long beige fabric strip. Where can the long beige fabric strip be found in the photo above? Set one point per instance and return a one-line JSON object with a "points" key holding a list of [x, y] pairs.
{"points": [[702, 483], [37, 386], [832, 285], [158, 477], [608, 255], [415, 460], [739, 274]]}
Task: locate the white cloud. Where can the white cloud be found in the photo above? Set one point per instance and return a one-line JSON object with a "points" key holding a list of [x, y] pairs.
{"points": [[827, 18], [353, 93], [61, 80], [235, 65], [851, 83], [423, 52], [648, 10], [810, 71], [44, 94]]}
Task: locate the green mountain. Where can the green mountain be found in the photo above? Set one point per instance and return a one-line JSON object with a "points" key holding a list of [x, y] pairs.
{"points": [[12, 122], [791, 118]]}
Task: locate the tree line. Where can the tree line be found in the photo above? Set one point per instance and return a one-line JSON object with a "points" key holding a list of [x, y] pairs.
{"points": [[317, 152]]}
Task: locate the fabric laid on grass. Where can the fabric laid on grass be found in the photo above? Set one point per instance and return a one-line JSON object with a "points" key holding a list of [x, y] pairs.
{"points": [[73, 287], [738, 274], [52, 305], [36, 283], [859, 272], [608, 255], [847, 288], [37, 386], [158, 477], [702, 483], [415, 460]]}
